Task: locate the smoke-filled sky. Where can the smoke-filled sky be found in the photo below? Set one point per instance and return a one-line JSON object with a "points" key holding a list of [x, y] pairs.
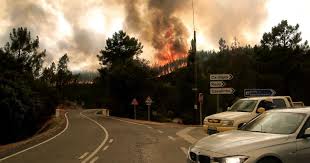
{"points": [[80, 27]]}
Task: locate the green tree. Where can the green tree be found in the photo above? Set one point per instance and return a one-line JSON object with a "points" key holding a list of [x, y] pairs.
{"points": [[64, 76], [49, 74], [25, 102], [119, 49], [285, 36], [26, 51], [123, 73]]}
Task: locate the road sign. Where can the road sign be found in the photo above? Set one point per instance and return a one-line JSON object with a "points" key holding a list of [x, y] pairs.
{"points": [[134, 102], [259, 92], [215, 84], [148, 101], [221, 76], [200, 98], [219, 91]]}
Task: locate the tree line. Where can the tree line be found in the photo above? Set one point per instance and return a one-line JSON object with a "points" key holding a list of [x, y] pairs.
{"points": [[29, 92], [280, 62]]}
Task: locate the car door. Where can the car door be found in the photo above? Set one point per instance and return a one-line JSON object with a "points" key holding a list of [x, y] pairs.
{"points": [[303, 145]]}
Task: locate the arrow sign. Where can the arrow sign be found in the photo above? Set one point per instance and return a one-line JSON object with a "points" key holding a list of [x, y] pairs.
{"points": [[221, 76], [259, 92], [148, 101], [134, 102], [218, 91], [217, 84]]}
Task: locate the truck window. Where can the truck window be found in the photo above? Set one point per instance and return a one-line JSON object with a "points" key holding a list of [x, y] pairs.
{"points": [[279, 103]]}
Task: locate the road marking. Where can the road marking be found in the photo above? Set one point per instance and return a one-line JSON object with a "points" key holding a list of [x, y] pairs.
{"points": [[67, 125], [184, 150], [160, 131], [105, 148], [94, 159], [183, 134], [172, 138], [84, 155], [111, 140], [102, 143]]}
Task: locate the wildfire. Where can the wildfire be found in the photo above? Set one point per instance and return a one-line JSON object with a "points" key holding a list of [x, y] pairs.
{"points": [[173, 47]]}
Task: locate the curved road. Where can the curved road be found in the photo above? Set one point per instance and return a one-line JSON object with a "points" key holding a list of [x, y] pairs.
{"points": [[92, 138]]}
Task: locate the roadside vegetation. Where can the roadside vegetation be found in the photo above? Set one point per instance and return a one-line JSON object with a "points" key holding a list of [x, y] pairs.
{"points": [[30, 92]]}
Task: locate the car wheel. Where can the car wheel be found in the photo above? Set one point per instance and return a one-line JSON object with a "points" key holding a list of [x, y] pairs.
{"points": [[269, 160]]}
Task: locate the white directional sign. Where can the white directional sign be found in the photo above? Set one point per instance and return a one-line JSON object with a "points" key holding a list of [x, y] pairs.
{"points": [[221, 76], [218, 91], [215, 84]]}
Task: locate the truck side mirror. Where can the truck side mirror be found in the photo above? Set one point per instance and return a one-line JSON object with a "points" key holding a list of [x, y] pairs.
{"points": [[307, 133], [261, 110]]}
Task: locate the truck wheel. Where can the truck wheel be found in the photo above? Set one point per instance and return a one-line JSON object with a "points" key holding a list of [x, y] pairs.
{"points": [[269, 160]]}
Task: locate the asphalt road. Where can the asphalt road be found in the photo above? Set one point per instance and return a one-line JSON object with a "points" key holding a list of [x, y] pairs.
{"points": [[91, 138]]}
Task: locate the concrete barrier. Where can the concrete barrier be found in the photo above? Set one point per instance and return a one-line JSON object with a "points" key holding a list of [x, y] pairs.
{"points": [[106, 112]]}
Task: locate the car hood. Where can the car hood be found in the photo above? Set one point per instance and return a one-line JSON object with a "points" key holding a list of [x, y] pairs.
{"points": [[239, 142], [230, 115]]}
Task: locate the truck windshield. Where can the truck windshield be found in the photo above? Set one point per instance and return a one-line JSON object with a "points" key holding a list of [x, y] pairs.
{"points": [[243, 106], [275, 123]]}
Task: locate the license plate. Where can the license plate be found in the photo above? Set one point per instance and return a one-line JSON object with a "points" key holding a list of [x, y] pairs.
{"points": [[212, 128]]}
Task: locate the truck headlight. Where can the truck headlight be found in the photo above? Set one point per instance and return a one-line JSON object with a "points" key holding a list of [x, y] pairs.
{"points": [[231, 159], [227, 122]]}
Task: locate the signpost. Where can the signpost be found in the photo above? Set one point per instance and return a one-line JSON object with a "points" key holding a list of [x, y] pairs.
{"points": [[135, 104], [221, 76], [148, 102], [216, 85], [259, 92], [200, 99], [221, 91]]}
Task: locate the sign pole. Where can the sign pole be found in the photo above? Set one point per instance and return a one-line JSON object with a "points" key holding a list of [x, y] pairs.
{"points": [[134, 107], [218, 103], [148, 113], [200, 109]]}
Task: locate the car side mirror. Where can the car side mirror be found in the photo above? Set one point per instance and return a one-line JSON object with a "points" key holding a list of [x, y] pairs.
{"points": [[261, 110], [228, 108], [307, 133]]}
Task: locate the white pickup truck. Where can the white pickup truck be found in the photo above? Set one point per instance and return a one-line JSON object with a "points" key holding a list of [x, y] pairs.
{"points": [[242, 111]]}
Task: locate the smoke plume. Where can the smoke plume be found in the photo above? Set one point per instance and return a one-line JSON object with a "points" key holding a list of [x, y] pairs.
{"points": [[80, 27]]}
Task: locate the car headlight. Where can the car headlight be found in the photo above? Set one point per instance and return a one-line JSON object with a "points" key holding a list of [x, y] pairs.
{"points": [[231, 159], [227, 122]]}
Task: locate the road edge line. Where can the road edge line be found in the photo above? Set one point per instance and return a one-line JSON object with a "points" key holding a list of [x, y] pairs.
{"points": [[102, 143], [17, 153]]}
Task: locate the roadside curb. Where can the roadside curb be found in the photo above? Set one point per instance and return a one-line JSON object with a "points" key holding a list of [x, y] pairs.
{"points": [[155, 123]]}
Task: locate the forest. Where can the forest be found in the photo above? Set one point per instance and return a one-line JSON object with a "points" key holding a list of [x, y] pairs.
{"points": [[30, 91]]}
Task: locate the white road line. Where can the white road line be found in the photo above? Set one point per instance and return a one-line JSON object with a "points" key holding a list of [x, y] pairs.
{"points": [[183, 134], [94, 159], [102, 143], [67, 125], [172, 138], [184, 150], [83, 156], [111, 140], [160, 131], [105, 148]]}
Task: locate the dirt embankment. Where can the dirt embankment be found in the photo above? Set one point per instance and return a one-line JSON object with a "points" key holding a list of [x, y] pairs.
{"points": [[51, 128]]}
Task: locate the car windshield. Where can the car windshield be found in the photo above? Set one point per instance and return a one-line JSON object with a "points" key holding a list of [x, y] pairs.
{"points": [[275, 123], [243, 106]]}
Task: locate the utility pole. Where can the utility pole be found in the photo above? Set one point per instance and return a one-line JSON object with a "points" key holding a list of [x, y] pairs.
{"points": [[195, 64]]}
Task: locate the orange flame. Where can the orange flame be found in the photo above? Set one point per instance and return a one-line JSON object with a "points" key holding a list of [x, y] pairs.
{"points": [[169, 52]]}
